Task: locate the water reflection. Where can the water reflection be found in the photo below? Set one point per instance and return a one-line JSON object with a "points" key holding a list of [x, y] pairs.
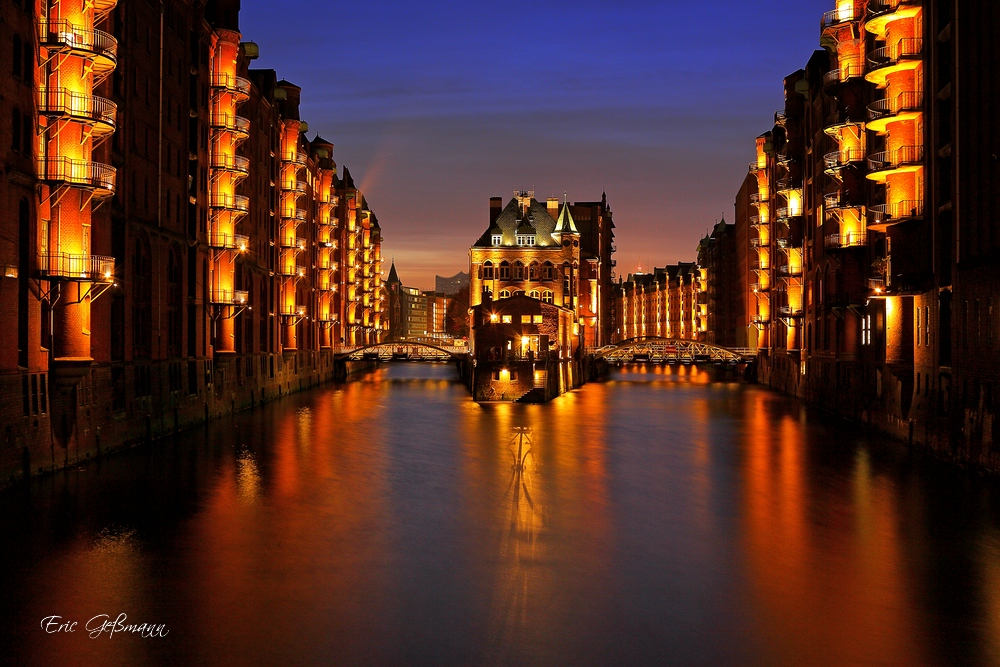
{"points": [[669, 515]]}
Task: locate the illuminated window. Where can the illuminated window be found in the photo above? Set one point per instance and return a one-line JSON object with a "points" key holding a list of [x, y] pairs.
{"points": [[488, 270], [548, 271], [533, 272], [537, 319], [534, 294], [504, 270], [524, 239], [518, 270], [497, 239], [525, 319], [504, 293], [547, 296], [506, 319]]}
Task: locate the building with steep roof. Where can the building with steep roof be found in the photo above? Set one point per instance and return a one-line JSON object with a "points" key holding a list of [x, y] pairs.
{"points": [[541, 251]]}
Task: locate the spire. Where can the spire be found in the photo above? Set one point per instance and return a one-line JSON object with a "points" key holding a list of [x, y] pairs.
{"points": [[393, 278], [565, 224]]}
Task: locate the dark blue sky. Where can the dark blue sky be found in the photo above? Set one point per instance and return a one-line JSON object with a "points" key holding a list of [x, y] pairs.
{"points": [[436, 106]]}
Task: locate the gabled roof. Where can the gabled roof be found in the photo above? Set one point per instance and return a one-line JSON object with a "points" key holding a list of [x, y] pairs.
{"points": [[393, 278], [511, 219]]}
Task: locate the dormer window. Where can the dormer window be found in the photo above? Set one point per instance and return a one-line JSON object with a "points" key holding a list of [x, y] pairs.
{"points": [[525, 239], [497, 239]]}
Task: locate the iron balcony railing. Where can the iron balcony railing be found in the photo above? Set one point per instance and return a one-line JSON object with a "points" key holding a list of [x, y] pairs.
{"points": [[780, 117], [231, 123], [879, 7], [907, 48], [78, 173], [761, 319], [754, 167], [297, 158], [785, 212], [849, 68], [846, 240], [756, 221], [61, 35], [877, 283], [756, 243], [234, 163], [783, 242], [839, 16], [790, 311], [897, 211], [237, 203], [843, 157], [291, 310], [789, 270], [298, 187], [296, 242], [68, 266], [62, 102], [894, 159], [227, 241], [231, 83], [228, 297], [760, 287], [787, 184], [911, 100]]}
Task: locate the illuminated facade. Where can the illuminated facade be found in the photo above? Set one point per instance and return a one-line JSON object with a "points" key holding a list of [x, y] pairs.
{"points": [[666, 303], [179, 251], [873, 266], [556, 253]]}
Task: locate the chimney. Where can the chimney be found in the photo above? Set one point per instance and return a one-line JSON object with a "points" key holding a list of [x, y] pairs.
{"points": [[552, 206], [496, 208]]}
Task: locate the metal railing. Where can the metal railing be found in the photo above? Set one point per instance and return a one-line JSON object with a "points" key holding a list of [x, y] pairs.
{"points": [[298, 187], [846, 240], [879, 7], [887, 56], [754, 167], [230, 123], [911, 100], [756, 243], [229, 202], [296, 242], [760, 287], [229, 241], [80, 173], [790, 311], [236, 163], [895, 158], [849, 68], [297, 158], [876, 283], [900, 210], [787, 184], [228, 297], [231, 83], [785, 212], [291, 310], [92, 268], [839, 16], [843, 157], [60, 34], [789, 270], [64, 102]]}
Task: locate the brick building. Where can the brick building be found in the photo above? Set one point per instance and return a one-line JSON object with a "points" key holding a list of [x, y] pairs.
{"points": [[665, 303], [176, 247]]}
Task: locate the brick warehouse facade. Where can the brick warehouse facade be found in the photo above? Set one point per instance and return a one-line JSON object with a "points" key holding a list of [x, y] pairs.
{"points": [[875, 284], [174, 248]]}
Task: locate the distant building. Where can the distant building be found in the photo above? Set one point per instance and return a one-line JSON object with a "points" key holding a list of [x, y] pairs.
{"points": [[407, 307], [663, 303], [437, 312], [721, 298], [451, 286]]}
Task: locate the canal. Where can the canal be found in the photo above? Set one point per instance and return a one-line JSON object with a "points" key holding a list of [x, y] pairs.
{"points": [[666, 515]]}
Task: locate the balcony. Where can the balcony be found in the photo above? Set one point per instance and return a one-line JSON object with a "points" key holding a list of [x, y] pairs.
{"points": [[754, 168], [228, 202], [65, 37], [756, 243], [298, 187], [839, 159], [783, 213], [882, 12], [850, 68], [846, 240], [882, 216], [780, 117], [755, 221], [903, 159], [229, 241], [784, 243], [66, 266], [233, 163], [297, 158], [790, 311], [838, 17], [227, 297], [231, 83], [291, 310], [756, 198], [299, 215], [787, 185], [789, 270], [760, 287], [64, 104], [296, 242], [761, 320], [904, 106], [94, 176], [238, 125], [877, 284], [903, 55]]}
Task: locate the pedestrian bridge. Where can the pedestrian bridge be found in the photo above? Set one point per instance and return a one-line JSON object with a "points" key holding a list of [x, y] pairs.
{"points": [[671, 350], [405, 351]]}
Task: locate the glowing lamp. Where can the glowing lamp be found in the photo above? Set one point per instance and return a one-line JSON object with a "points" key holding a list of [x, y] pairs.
{"points": [[493, 317]]}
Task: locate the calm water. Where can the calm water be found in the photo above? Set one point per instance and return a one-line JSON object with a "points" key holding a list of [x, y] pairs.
{"points": [[661, 517]]}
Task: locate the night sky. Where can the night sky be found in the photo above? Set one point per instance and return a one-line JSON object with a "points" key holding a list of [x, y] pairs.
{"points": [[437, 106]]}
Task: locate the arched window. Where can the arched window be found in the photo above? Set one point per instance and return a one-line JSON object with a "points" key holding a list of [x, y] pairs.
{"points": [[504, 294], [518, 270], [533, 271], [548, 271], [547, 296], [505, 270], [487, 270], [534, 294]]}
